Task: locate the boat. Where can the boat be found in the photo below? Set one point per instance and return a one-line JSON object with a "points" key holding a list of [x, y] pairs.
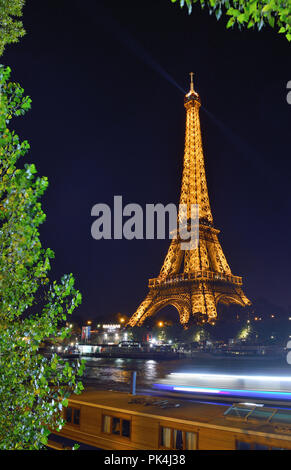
{"points": [[111, 420]]}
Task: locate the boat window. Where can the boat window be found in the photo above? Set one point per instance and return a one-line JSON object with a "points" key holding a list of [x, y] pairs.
{"points": [[68, 414], [106, 424], [72, 415], [126, 428], [260, 447], [191, 438], [77, 416], [166, 437], [116, 426], [241, 445], [178, 439], [259, 413]]}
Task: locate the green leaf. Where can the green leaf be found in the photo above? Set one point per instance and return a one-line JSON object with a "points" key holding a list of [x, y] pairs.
{"points": [[249, 13], [230, 22], [271, 20]]}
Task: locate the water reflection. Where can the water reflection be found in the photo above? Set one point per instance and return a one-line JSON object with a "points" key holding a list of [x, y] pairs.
{"points": [[116, 372]]}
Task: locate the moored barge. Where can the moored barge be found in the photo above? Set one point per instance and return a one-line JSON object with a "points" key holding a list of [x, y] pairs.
{"points": [[119, 421]]}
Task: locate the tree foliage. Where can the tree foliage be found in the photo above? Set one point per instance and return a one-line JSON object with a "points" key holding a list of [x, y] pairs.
{"points": [[11, 27], [249, 13], [33, 388]]}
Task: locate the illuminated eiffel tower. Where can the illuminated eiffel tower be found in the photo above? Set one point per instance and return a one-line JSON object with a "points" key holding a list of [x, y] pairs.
{"points": [[193, 281]]}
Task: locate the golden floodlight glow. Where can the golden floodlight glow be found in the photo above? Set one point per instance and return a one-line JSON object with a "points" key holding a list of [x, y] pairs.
{"points": [[193, 281]]}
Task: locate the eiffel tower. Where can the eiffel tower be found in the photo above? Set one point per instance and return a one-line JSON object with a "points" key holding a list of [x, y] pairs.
{"points": [[194, 281]]}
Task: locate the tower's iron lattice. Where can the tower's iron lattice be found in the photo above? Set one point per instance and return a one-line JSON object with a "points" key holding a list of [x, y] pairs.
{"points": [[194, 281]]}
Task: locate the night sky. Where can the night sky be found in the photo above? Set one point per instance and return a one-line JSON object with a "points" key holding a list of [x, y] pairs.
{"points": [[107, 120]]}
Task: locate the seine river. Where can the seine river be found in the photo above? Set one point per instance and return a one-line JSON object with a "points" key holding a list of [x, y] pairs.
{"points": [[112, 373]]}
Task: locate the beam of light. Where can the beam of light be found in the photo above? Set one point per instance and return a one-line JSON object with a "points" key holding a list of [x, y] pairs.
{"points": [[145, 56], [226, 392], [184, 388], [248, 152], [238, 141], [125, 38], [273, 378]]}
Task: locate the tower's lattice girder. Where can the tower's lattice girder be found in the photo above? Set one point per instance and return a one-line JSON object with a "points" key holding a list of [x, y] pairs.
{"points": [[194, 281]]}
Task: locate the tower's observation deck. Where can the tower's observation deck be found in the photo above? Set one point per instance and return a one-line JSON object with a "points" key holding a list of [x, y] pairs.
{"points": [[193, 280]]}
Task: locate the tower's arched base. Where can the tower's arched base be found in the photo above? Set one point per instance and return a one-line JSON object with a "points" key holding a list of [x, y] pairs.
{"points": [[190, 299]]}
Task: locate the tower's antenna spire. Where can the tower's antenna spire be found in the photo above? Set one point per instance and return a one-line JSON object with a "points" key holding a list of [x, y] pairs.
{"points": [[191, 82]]}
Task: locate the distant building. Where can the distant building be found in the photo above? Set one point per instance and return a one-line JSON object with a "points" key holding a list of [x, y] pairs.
{"points": [[108, 333]]}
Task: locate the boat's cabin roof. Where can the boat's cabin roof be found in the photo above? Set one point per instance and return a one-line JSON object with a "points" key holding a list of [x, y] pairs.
{"points": [[243, 416]]}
